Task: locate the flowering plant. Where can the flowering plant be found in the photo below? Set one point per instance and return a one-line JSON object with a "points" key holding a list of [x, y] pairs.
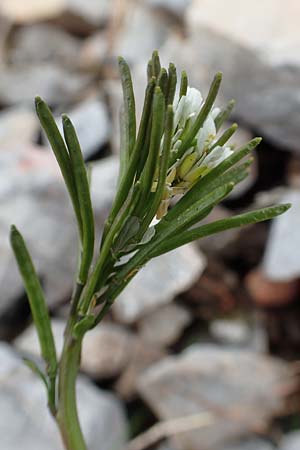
{"points": [[176, 152]]}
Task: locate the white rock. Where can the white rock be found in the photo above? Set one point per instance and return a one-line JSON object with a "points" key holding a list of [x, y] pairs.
{"points": [[221, 382], [25, 422], [164, 325], [291, 441], [177, 7], [159, 282], [261, 68], [281, 260], [17, 124]]}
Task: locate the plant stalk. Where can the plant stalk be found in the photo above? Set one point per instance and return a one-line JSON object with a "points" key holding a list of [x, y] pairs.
{"points": [[67, 415]]}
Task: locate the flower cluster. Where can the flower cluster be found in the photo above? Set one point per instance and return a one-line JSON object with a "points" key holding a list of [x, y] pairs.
{"points": [[203, 154]]}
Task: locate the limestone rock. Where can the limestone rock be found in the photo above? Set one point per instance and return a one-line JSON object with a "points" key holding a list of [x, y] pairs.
{"points": [[291, 441], [25, 422], [164, 325], [50, 81], [261, 68], [159, 282], [281, 262], [219, 381]]}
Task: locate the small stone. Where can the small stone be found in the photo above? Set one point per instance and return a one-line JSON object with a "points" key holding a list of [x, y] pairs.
{"points": [[73, 13], [94, 52], [176, 7], [17, 124], [50, 81], [266, 292], [281, 261], [291, 441], [219, 381], [233, 332], [250, 444], [41, 43], [151, 29], [25, 422], [164, 326], [90, 119], [159, 282], [105, 351]]}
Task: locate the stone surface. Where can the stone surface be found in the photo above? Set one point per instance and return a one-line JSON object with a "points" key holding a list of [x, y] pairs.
{"points": [[164, 325], [52, 82], [94, 51], [151, 29], [17, 124], [220, 381], [159, 282], [25, 421], [104, 351], [41, 43], [261, 69], [250, 444], [90, 13], [232, 332], [177, 7], [291, 441], [267, 292], [281, 262], [90, 119]]}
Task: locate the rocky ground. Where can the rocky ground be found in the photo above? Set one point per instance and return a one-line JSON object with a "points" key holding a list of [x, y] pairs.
{"points": [[202, 349]]}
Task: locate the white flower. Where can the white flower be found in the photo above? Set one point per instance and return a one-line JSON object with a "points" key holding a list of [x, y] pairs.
{"points": [[187, 107], [217, 156], [206, 134]]}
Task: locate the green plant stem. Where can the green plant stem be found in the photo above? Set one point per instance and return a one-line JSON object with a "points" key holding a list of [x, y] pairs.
{"points": [[67, 415]]}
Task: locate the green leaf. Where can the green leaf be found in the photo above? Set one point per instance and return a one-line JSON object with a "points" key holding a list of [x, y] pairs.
{"points": [[36, 370], [36, 300], [155, 64], [61, 154], [129, 107], [172, 81], [183, 84], [224, 137], [219, 226], [224, 114], [127, 180], [147, 177], [85, 204], [162, 81], [163, 168]]}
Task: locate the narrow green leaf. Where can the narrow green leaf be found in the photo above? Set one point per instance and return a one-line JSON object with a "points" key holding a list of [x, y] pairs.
{"points": [[224, 138], [36, 370], [163, 169], [172, 81], [183, 84], [128, 177], [224, 114], [206, 108], [36, 300], [155, 64], [219, 226], [85, 204], [61, 154], [129, 106], [162, 81], [147, 177]]}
